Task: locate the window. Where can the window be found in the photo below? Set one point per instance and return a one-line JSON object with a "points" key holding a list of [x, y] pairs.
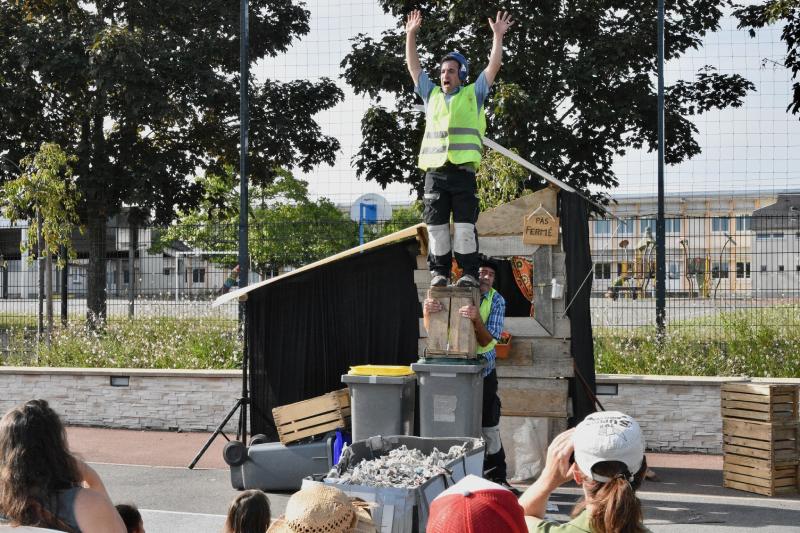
{"points": [[625, 227], [743, 223], [719, 224], [602, 271], [743, 270], [719, 270], [780, 268], [763, 268], [673, 271], [624, 268], [777, 235], [198, 275], [602, 227], [672, 225], [126, 276], [762, 236], [167, 272], [647, 223]]}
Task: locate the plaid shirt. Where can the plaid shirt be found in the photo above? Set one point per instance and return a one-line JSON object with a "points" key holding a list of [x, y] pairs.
{"points": [[494, 324]]}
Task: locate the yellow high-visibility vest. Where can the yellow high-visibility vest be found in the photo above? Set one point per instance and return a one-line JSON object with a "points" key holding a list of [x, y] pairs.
{"points": [[486, 307], [452, 133]]}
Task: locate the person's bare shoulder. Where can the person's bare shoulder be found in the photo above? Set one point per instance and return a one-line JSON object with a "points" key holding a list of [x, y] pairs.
{"points": [[96, 514]]}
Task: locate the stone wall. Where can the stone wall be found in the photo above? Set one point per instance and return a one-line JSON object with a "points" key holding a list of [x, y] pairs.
{"points": [[189, 400], [677, 413]]}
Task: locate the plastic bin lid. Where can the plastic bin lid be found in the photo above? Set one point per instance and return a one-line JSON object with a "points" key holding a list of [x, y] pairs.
{"points": [[380, 370]]}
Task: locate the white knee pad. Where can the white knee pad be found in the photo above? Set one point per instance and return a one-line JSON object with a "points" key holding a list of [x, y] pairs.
{"points": [[492, 437], [439, 239], [465, 242]]}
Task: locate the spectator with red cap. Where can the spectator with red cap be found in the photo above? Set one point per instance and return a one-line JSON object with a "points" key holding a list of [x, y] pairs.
{"points": [[609, 464], [476, 505]]}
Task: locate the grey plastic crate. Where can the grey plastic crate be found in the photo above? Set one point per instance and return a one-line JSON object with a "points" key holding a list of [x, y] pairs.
{"points": [[381, 405], [450, 399], [276, 466], [401, 510]]}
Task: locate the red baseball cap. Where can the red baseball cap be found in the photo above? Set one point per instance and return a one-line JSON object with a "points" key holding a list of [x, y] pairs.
{"points": [[476, 505]]}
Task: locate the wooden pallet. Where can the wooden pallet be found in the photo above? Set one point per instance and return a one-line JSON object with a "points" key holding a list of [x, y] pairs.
{"points": [[761, 402], [450, 334], [759, 475], [313, 417]]}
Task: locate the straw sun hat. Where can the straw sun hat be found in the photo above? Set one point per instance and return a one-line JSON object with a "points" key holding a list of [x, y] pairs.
{"points": [[323, 509]]}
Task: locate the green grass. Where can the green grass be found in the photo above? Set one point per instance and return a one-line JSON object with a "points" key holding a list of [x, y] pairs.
{"points": [[753, 342], [132, 343]]}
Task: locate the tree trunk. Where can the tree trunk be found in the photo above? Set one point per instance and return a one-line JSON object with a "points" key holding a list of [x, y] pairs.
{"points": [[48, 291], [133, 244], [64, 285], [96, 273]]}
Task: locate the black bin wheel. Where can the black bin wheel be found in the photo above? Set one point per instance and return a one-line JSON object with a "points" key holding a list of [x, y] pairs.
{"points": [[234, 453], [258, 439]]}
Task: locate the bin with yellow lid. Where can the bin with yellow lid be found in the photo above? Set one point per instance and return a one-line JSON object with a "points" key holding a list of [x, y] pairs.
{"points": [[382, 400]]}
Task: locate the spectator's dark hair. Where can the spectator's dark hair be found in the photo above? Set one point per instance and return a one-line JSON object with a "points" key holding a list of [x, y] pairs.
{"points": [[616, 509], [130, 515], [36, 464], [249, 513]]}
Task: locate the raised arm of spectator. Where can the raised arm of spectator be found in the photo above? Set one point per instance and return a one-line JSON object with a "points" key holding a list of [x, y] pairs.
{"points": [[557, 471], [499, 26], [413, 23]]}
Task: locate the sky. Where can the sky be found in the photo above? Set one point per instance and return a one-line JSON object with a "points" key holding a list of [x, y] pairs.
{"points": [[755, 148]]}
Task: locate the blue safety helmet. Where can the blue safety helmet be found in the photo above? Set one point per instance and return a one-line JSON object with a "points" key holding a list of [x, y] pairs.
{"points": [[464, 69]]}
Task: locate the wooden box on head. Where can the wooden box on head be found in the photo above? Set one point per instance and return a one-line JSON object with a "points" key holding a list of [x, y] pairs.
{"points": [[450, 334]]}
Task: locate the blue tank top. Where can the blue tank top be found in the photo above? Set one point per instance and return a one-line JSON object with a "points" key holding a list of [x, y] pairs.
{"points": [[62, 505]]}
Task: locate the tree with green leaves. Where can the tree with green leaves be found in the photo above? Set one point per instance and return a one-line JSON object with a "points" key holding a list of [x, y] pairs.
{"points": [[786, 12], [286, 228], [145, 94], [577, 87], [500, 180], [44, 194]]}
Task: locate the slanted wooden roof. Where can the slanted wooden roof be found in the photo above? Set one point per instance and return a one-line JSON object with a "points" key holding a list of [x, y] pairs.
{"points": [[414, 232], [506, 219]]}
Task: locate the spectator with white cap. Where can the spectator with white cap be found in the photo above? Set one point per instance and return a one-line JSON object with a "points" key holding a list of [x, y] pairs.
{"points": [[609, 464]]}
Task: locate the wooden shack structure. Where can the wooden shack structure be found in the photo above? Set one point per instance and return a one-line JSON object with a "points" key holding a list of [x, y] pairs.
{"points": [[306, 327]]}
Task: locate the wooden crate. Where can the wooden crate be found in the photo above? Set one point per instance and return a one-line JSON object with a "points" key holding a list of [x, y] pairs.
{"points": [[450, 334], [761, 402], [759, 475], [312, 417], [760, 457]]}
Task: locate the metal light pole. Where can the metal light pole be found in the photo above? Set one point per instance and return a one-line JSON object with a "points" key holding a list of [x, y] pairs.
{"points": [[661, 264], [244, 254]]}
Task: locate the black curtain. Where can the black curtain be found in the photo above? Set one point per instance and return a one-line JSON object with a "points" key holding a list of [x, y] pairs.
{"points": [[575, 232], [505, 284], [306, 331]]}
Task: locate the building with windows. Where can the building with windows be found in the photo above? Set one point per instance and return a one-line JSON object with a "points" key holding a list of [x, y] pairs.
{"points": [[709, 243], [776, 249]]}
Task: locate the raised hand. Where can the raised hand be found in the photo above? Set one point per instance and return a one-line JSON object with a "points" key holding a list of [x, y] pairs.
{"points": [[501, 23], [414, 21]]}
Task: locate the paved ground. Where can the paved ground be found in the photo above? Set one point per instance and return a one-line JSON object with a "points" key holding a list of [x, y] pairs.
{"points": [[149, 469]]}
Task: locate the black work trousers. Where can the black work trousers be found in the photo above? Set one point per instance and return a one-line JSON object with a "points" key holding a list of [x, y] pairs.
{"points": [[451, 189]]}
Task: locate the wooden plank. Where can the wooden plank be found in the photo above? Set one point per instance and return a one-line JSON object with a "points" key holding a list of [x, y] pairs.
{"points": [[749, 406], [731, 484], [759, 430], [542, 288], [310, 432], [524, 327], [462, 331], [520, 354], [438, 324], [422, 262], [748, 415], [753, 462], [534, 397], [746, 476], [744, 447], [775, 476], [765, 389], [506, 246]]}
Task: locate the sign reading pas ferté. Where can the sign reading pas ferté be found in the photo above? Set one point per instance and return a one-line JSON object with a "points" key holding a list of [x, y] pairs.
{"points": [[540, 227]]}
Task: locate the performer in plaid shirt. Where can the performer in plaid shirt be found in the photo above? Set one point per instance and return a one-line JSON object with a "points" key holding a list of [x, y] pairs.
{"points": [[487, 333]]}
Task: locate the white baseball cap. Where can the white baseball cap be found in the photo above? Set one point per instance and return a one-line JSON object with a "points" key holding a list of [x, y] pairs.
{"points": [[608, 436]]}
